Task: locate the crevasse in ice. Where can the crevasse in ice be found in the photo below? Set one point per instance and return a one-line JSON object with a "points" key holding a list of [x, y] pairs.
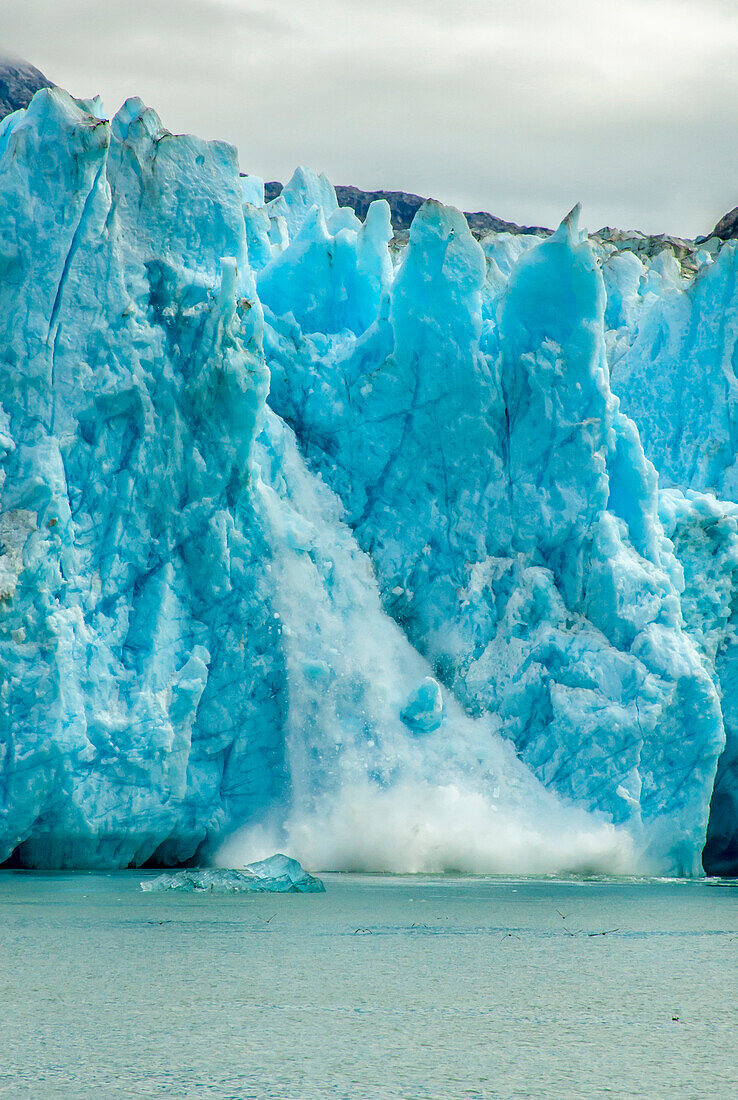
{"points": [[424, 607]]}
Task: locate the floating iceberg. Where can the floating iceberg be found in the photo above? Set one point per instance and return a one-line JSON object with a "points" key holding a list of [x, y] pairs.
{"points": [[308, 539], [277, 875]]}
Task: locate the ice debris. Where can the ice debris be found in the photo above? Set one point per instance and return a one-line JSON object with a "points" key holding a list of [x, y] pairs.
{"points": [[276, 875], [424, 710]]}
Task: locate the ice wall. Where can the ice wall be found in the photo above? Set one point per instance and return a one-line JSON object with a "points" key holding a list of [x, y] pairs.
{"points": [[512, 519], [190, 638], [387, 771], [673, 346], [704, 532], [132, 381], [677, 374], [441, 626]]}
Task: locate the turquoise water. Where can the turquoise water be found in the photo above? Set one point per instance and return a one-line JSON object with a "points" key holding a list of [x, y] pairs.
{"points": [[380, 988]]}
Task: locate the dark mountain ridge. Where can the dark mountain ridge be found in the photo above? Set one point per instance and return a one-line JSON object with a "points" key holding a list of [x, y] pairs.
{"points": [[404, 206], [19, 82]]}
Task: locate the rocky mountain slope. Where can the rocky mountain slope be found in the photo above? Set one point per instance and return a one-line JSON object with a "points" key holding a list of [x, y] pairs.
{"points": [[19, 82]]}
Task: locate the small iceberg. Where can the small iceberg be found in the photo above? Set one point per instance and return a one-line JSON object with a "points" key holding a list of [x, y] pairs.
{"points": [[276, 875]]}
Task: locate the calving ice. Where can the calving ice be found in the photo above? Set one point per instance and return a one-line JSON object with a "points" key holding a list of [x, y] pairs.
{"points": [[315, 543]]}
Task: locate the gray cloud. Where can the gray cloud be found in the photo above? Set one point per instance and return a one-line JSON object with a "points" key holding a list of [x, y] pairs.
{"points": [[520, 108]]}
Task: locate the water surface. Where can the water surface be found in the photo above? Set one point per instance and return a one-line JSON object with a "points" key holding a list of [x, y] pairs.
{"points": [[402, 987]]}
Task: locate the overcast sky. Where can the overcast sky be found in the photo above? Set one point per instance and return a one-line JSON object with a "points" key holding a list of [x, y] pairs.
{"points": [[519, 107]]}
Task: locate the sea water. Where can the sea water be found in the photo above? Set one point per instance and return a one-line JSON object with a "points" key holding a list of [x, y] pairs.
{"points": [[411, 987]]}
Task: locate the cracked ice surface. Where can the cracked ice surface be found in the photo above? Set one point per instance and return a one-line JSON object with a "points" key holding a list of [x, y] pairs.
{"points": [[418, 613]]}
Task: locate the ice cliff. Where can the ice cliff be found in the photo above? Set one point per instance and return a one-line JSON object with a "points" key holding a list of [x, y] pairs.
{"points": [[311, 545], [674, 353]]}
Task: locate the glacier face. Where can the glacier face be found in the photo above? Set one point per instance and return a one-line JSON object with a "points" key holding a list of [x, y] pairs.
{"points": [[311, 544], [674, 356], [527, 561], [131, 388]]}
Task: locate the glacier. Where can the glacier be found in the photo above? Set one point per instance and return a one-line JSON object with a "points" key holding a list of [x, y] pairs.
{"points": [[392, 556], [675, 365]]}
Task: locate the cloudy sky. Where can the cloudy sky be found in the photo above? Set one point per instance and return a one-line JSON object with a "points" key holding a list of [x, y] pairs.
{"points": [[520, 107]]}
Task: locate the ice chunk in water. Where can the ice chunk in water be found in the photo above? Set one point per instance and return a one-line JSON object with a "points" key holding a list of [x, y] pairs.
{"points": [[276, 875]]}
